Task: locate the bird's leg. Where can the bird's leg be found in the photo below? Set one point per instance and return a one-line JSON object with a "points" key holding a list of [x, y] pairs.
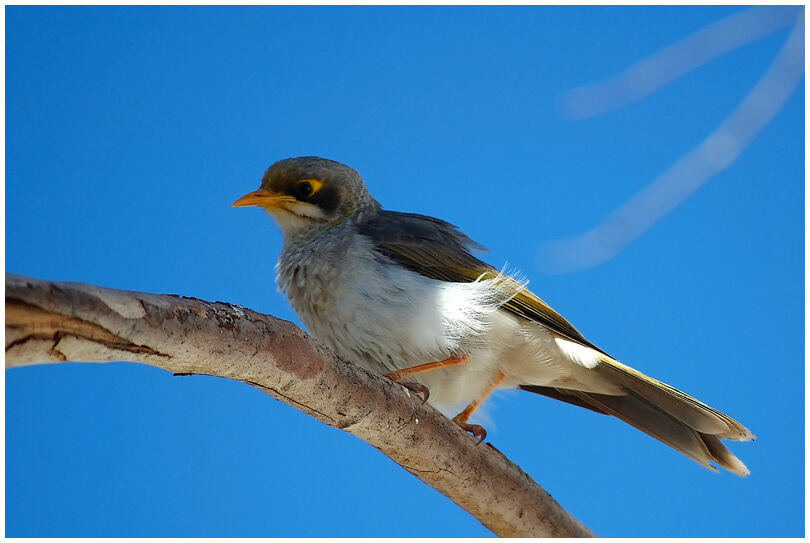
{"points": [[421, 368], [462, 418], [419, 388]]}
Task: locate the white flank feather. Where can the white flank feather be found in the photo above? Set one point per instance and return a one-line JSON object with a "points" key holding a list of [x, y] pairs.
{"points": [[579, 354]]}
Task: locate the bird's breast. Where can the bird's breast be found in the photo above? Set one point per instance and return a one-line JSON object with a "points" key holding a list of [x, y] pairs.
{"points": [[377, 313]]}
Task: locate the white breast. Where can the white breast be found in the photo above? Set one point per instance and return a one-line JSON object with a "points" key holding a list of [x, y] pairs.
{"points": [[385, 317], [378, 313]]}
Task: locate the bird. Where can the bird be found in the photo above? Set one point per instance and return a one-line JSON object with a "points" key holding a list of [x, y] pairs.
{"points": [[403, 295]]}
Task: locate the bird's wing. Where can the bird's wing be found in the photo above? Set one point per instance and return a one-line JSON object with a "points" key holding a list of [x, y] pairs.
{"points": [[439, 250]]}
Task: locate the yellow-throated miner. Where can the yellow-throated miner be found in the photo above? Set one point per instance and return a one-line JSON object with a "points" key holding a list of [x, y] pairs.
{"points": [[402, 295]]}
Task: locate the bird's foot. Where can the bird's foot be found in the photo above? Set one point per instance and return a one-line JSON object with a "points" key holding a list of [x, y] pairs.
{"points": [[419, 389], [474, 429]]}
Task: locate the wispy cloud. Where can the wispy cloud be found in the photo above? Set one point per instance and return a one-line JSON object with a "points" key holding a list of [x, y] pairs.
{"points": [[714, 154]]}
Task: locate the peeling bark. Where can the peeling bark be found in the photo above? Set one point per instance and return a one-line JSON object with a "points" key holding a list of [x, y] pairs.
{"points": [[49, 322]]}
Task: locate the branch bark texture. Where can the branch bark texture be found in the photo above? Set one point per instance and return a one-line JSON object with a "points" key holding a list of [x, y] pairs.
{"points": [[49, 322]]}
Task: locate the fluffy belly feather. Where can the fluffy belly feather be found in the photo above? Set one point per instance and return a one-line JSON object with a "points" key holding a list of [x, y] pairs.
{"points": [[385, 318]]}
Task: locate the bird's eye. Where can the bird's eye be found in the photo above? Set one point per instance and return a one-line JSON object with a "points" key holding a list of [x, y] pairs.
{"points": [[303, 189]]}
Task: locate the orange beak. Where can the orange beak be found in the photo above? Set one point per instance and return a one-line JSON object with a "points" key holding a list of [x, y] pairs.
{"points": [[262, 198]]}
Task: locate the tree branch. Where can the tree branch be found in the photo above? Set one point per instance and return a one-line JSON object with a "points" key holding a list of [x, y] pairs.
{"points": [[50, 322]]}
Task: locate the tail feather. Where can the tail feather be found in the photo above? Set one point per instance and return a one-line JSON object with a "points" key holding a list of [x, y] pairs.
{"points": [[724, 457], [665, 413], [685, 408], [649, 418]]}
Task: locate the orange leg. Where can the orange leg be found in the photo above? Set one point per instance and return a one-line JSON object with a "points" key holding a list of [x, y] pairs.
{"points": [[462, 418], [413, 370], [418, 388]]}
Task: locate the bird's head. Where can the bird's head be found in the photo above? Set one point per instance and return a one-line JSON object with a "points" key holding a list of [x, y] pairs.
{"points": [[307, 193]]}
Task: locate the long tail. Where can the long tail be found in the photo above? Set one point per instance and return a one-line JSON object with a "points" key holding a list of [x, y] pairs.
{"points": [[664, 412]]}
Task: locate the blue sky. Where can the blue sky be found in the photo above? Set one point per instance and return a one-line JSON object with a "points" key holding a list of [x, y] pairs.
{"points": [[129, 132]]}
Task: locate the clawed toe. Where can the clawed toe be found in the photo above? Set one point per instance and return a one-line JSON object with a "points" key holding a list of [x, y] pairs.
{"points": [[419, 389], [474, 429]]}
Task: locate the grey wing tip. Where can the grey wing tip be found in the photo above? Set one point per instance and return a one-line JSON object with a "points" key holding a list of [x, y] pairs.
{"points": [[742, 434], [748, 436], [472, 244]]}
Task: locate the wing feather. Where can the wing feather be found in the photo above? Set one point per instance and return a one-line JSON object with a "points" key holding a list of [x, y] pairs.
{"points": [[437, 249]]}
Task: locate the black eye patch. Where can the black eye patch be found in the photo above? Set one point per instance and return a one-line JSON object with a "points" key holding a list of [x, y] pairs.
{"points": [[328, 199]]}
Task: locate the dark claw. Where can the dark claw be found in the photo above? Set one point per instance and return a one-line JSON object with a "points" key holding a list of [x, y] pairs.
{"points": [[418, 389], [474, 429]]}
